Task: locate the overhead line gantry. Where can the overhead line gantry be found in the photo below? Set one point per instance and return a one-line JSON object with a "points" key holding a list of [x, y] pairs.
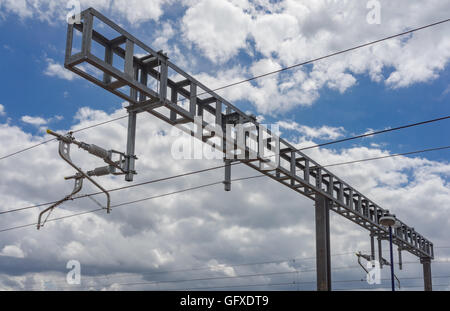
{"points": [[151, 83]]}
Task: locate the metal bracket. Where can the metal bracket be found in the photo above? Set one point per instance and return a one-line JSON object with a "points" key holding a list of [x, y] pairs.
{"points": [[77, 188], [368, 258], [114, 167]]}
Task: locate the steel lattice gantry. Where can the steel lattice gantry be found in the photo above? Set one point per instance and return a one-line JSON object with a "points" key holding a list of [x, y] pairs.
{"points": [[151, 83]]}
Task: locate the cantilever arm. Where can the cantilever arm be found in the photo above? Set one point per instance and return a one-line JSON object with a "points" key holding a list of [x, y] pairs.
{"points": [[64, 152]]}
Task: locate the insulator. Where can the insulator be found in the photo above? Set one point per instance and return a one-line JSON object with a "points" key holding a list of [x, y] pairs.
{"points": [[100, 171], [96, 150]]}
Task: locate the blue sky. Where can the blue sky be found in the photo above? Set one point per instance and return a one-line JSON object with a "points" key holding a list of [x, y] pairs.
{"points": [[219, 42]]}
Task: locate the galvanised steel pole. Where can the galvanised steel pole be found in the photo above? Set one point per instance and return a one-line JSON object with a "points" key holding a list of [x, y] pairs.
{"points": [[392, 259]]}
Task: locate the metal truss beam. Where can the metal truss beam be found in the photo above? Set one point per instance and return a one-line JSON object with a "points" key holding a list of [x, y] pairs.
{"points": [[159, 87]]}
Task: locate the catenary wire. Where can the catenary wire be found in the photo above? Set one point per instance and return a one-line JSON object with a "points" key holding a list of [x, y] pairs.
{"points": [[218, 167], [292, 283], [123, 188], [406, 278], [263, 274], [132, 202], [387, 156], [375, 133], [294, 260], [154, 197], [300, 149], [375, 287], [258, 275], [127, 274]]}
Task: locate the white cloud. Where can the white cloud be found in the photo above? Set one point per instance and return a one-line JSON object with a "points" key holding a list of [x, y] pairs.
{"points": [[19, 7], [12, 251], [324, 132], [271, 30], [37, 121], [57, 70], [166, 33], [273, 94], [53, 11], [219, 28], [2, 110], [137, 11]]}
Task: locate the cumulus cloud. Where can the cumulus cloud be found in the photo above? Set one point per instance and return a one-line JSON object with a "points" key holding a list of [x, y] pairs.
{"points": [[34, 120], [291, 32], [272, 30], [274, 94], [12, 251], [39, 121], [19, 7], [2, 110], [219, 28], [166, 33], [324, 132], [137, 11], [57, 70]]}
